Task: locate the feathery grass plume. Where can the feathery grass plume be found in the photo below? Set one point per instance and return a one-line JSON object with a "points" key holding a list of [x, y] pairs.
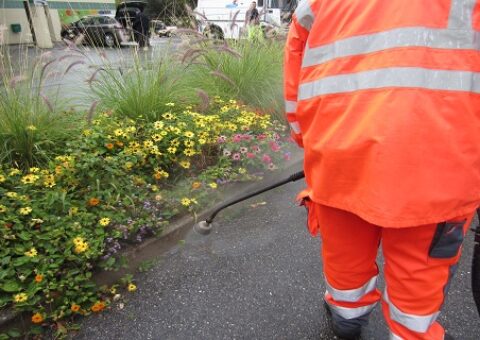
{"points": [[188, 31], [44, 68], [205, 100], [15, 80], [47, 102], [202, 16], [222, 76], [67, 56], [78, 62], [94, 74], [226, 48], [91, 112], [190, 53], [234, 20]]}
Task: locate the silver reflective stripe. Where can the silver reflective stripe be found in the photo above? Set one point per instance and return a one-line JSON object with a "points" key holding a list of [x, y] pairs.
{"points": [[458, 35], [351, 295], [461, 14], [304, 14], [295, 127], [394, 336], [290, 106], [351, 313], [410, 77], [396, 38], [416, 323]]}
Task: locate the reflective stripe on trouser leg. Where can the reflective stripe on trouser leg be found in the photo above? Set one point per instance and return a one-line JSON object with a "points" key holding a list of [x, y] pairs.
{"points": [[416, 323], [351, 295]]}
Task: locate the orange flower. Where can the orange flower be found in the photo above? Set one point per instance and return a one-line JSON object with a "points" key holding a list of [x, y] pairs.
{"points": [[196, 185], [120, 144], [157, 175], [98, 307], [93, 202], [37, 318], [109, 146], [38, 278], [75, 308]]}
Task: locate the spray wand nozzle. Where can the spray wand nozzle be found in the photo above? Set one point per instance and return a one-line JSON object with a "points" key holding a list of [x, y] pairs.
{"points": [[205, 227]]}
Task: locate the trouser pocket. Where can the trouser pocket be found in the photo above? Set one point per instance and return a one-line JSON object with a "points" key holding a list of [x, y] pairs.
{"points": [[312, 220], [447, 240]]}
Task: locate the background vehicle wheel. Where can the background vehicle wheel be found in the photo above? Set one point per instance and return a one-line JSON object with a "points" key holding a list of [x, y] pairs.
{"points": [[110, 40]]}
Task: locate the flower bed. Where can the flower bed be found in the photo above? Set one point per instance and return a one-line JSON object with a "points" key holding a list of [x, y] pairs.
{"points": [[119, 182]]}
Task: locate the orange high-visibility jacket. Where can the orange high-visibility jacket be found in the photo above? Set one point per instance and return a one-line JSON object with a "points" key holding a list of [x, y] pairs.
{"points": [[385, 98]]}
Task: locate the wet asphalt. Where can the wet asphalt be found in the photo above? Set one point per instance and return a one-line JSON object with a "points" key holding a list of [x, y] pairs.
{"points": [[257, 276]]}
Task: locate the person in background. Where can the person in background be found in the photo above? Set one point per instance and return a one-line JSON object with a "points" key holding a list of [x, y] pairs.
{"points": [[252, 17]]}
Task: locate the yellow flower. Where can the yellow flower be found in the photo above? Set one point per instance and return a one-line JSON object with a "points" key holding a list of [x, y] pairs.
{"points": [[78, 240], [31, 128], [58, 169], [2, 208], [155, 151], [87, 133], [128, 165], [170, 104], [186, 201], [175, 143], [34, 170], [134, 145], [21, 297], [189, 134], [157, 138], [131, 129], [242, 170], [213, 185], [118, 132], [2, 179], [37, 318], [25, 211], [189, 143], [49, 181], [81, 247], [196, 185], [202, 141], [31, 253], [172, 149], [29, 179], [167, 116], [185, 164], [163, 133], [132, 287], [158, 125], [148, 144], [189, 152], [104, 221], [11, 194], [73, 211], [14, 172]]}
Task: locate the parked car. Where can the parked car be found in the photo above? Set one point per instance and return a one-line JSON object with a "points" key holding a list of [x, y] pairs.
{"points": [[159, 28], [99, 30]]}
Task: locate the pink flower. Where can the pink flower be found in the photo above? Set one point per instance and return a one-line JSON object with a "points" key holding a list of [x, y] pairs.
{"points": [[243, 149], [261, 136], [221, 139], [266, 159], [287, 156], [236, 156], [237, 138], [274, 146], [276, 136], [226, 153], [271, 166], [247, 137], [256, 149], [250, 155]]}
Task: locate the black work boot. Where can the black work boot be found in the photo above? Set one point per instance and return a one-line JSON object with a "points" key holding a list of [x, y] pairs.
{"points": [[353, 332]]}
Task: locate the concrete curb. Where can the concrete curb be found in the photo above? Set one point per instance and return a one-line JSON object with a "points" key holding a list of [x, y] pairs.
{"points": [[156, 246]]}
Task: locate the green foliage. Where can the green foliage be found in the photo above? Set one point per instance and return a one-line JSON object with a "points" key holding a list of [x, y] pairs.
{"points": [[33, 125], [121, 181]]}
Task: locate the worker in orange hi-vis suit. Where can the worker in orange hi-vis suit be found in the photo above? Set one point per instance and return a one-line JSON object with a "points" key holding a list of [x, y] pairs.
{"points": [[384, 97]]}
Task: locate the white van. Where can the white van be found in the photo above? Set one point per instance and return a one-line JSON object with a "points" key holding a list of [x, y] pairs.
{"points": [[226, 18]]}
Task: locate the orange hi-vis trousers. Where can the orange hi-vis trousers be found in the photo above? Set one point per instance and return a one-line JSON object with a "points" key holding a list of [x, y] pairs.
{"points": [[420, 261]]}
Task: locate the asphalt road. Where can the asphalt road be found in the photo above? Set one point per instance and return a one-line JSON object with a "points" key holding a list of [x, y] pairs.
{"points": [[257, 276]]}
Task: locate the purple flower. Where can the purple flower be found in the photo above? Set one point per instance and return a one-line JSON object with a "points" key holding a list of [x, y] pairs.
{"points": [[221, 139], [236, 156]]}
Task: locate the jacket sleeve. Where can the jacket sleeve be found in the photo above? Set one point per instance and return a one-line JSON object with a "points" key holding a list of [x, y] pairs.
{"points": [[296, 41]]}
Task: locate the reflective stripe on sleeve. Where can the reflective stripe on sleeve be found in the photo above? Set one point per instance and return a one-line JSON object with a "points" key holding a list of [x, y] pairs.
{"points": [[409, 77], [351, 313], [351, 295], [304, 14], [394, 336], [290, 106], [458, 35], [416, 323], [295, 127], [396, 38]]}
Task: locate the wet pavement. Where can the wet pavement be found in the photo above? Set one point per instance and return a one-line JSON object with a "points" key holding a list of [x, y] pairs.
{"points": [[257, 276]]}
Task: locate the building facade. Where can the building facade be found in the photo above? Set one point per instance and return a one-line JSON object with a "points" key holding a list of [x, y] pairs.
{"points": [[40, 22]]}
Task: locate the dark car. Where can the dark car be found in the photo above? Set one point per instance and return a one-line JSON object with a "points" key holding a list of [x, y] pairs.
{"points": [[98, 30]]}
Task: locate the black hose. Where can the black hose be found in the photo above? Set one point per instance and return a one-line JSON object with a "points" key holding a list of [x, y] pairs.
{"points": [[292, 178], [476, 266]]}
